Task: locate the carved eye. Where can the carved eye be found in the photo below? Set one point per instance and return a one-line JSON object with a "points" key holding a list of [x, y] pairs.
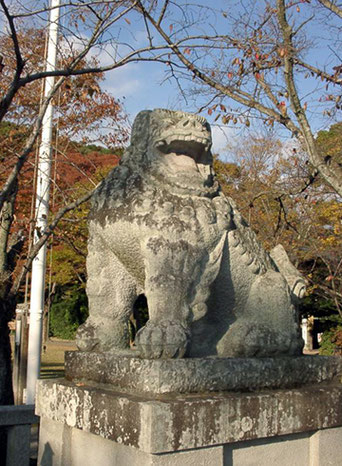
{"points": [[169, 122]]}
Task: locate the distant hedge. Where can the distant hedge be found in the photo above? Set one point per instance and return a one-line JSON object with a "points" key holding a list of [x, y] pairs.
{"points": [[68, 311]]}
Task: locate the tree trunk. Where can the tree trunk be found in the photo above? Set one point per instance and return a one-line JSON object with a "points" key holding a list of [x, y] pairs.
{"points": [[7, 302], [6, 392]]}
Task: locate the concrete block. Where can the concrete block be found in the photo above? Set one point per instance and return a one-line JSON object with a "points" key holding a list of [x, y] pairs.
{"points": [[89, 449], [75, 447], [326, 447], [212, 456], [54, 443], [61, 445], [289, 450]]}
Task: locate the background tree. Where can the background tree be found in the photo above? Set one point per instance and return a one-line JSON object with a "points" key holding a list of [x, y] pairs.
{"points": [[277, 61], [267, 180], [68, 250], [88, 30]]}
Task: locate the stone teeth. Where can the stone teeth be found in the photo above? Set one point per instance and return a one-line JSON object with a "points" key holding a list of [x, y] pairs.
{"points": [[160, 143], [187, 137]]}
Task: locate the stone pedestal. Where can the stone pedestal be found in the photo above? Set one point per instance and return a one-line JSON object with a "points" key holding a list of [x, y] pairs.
{"points": [[86, 422]]}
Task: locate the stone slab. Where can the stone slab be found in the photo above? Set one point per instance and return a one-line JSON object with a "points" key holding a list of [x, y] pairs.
{"points": [[60, 446], [166, 423], [326, 447], [200, 374], [287, 450]]}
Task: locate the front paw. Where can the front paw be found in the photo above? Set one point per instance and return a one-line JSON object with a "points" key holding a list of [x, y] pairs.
{"points": [[86, 337], [162, 340]]}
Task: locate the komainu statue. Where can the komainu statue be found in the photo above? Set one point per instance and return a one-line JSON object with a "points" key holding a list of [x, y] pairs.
{"points": [[160, 226]]}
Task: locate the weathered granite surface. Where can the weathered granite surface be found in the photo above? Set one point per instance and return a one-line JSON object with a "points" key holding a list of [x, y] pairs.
{"points": [[200, 374], [160, 226], [167, 423]]}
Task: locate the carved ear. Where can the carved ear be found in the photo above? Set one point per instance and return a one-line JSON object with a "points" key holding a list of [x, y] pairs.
{"points": [[140, 130]]}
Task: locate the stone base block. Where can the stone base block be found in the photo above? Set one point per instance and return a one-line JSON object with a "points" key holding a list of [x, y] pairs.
{"points": [[79, 448], [61, 445], [93, 424], [199, 374]]}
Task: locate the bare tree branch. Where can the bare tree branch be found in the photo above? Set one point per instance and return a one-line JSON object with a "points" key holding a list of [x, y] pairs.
{"points": [[332, 7], [235, 93], [333, 177]]}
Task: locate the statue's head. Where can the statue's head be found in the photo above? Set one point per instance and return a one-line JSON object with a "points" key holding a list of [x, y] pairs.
{"points": [[177, 143]]}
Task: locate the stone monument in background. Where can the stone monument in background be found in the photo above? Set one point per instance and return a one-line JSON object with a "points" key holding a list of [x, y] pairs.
{"points": [[222, 325]]}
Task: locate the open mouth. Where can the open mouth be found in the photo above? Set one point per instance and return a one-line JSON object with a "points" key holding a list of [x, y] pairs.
{"points": [[187, 154], [196, 148]]}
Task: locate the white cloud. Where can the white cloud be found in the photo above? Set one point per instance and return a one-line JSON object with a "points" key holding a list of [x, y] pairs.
{"points": [[221, 135], [124, 81]]}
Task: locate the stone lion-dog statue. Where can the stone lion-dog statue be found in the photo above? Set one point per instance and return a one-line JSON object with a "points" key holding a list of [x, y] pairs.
{"points": [[160, 226]]}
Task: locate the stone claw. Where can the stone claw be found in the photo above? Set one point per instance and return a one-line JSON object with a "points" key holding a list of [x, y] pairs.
{"points": [[86, 338], [165, 339]]}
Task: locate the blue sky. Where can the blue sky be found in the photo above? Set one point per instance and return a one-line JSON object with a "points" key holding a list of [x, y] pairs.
{"points": [[143, 86]]}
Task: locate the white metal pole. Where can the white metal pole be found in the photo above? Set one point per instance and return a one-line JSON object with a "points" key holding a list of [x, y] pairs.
{"points": [[42, 211]]}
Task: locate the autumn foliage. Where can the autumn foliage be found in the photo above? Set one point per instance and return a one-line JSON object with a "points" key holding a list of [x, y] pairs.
{"points": [[272, 187], [86, 119]]}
